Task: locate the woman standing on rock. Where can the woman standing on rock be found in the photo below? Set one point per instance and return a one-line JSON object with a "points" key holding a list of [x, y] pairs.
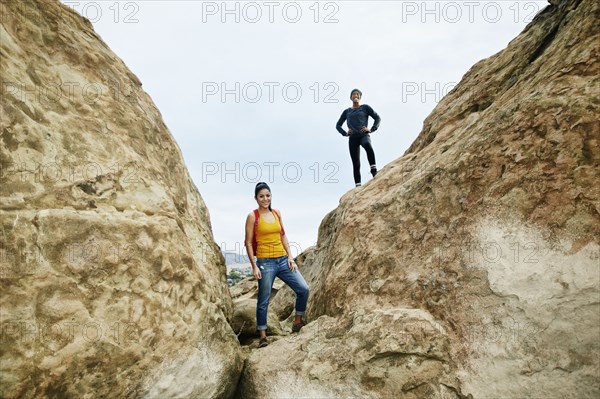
{"points": [[266, 239], [356, 118]]}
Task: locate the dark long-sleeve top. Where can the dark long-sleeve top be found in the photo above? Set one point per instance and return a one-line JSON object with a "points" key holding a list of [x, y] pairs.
{"points": [[357, 118]]}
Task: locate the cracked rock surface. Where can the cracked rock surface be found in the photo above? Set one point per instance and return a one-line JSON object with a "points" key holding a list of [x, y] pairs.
{"points": [[111, 283], [470, 266]]}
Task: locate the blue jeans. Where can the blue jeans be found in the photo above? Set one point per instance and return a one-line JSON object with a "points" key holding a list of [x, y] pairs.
{"points": [[278, 267]]}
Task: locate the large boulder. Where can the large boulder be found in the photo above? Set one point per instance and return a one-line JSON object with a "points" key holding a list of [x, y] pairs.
{"points": [[111, 283], [243, 322], [487, 229], [368, 354]]}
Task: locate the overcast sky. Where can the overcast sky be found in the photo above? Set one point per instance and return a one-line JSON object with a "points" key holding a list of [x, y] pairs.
{"points": [[251, 91]]}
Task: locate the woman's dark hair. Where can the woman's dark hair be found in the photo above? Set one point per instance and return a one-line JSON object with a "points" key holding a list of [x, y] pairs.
{"points": [[261, 186], [355, 90]]}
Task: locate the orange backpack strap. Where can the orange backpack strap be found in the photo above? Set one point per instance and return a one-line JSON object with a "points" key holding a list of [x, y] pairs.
{"points": [[254, 243]]}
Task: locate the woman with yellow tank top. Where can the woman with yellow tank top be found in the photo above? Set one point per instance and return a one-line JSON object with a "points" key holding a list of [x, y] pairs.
{"points": [[266, 239]]}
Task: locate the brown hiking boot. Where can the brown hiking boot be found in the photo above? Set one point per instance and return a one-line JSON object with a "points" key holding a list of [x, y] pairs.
{"points": [[297, 326], [263, 342]]}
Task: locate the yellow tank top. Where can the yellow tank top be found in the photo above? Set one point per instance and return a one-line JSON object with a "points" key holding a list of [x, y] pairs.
{"points": [[268, 238]]}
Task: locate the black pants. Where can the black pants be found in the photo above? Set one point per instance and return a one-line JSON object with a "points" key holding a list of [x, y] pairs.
{"points": [[354, 144]]}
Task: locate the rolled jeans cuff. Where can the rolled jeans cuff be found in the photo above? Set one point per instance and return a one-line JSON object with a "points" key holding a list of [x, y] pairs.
{"points": [[261, 328], [299, 313]]}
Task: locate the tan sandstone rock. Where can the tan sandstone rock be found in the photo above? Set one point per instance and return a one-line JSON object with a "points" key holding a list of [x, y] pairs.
{"points": [[243, 322], [111, 283], [485, 234], [380, 353]]}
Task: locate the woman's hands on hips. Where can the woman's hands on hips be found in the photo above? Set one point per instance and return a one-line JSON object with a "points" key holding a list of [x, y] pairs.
{"points": [[292, 265]]}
